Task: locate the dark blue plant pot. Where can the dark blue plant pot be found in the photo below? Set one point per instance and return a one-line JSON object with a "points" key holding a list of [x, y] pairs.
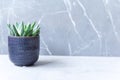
{"points": [[23, 51]]}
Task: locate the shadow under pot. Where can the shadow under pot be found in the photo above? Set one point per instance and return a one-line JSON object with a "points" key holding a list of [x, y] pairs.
{"points": [[23, 51]]}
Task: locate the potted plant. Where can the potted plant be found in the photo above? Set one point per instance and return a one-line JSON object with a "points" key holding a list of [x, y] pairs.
{"points": [[23, 43]]}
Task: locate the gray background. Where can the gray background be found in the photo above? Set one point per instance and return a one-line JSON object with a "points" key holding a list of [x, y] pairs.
{"points": [[68, 27]]}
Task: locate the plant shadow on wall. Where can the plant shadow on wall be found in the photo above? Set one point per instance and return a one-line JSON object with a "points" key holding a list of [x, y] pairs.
{"points": [[23, 43]]}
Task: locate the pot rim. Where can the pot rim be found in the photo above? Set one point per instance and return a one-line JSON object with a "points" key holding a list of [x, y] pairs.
{"points": [[23, 36]]}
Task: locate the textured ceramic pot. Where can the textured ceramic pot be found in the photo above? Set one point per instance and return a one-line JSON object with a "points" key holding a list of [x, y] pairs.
{"points": [[23, 51]]}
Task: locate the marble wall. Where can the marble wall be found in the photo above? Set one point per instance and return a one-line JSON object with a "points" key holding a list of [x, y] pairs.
{"points": [[68, 27]]}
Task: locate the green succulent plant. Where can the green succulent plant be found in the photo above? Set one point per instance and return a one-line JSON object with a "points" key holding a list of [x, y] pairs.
{"points": [[22, 29]]}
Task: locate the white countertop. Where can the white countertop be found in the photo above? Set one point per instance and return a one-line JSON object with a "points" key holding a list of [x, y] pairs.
{"points": [[63, 68]]}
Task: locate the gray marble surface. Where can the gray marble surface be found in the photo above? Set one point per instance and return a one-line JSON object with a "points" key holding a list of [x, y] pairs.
{"points": [[68, 27]]}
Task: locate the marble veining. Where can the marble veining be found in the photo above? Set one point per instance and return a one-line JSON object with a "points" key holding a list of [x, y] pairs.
{"points": [[68, 27]]}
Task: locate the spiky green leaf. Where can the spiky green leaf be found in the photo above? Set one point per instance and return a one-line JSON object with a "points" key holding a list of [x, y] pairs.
{"points": [[24, 29]]}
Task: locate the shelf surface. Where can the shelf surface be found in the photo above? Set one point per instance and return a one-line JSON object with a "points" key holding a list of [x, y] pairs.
{"points": [[63, 68]]}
